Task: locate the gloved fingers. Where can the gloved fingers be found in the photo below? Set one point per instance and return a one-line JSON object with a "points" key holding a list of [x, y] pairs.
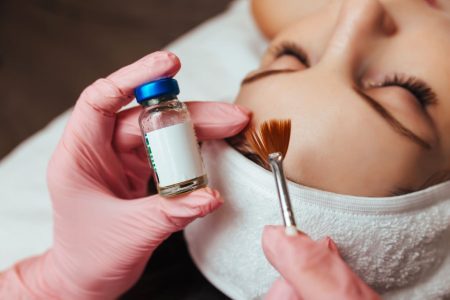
{"points": [[217, 120], [183, 209], [108, 95], [313, 269], [93, 118], [280, 289], [212, 120], [163, 216]]}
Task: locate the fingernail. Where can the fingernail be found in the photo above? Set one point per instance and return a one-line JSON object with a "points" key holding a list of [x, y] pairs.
{"points": [[331, 245], [244, 109], [208, 190], [213, 193], [291, 231], [216, 194], [161, 52], [328, 241], [171, 55], [161, 55]]}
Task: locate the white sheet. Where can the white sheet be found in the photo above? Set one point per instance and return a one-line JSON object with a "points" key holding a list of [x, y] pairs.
{"points": [[215, 57]]}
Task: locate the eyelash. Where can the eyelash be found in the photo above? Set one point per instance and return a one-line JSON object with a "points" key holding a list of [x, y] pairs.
{"points": [[290, 48], [415, 86]]}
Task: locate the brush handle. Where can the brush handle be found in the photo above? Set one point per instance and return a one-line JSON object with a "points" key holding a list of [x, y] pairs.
{"points": [[276, 163]]}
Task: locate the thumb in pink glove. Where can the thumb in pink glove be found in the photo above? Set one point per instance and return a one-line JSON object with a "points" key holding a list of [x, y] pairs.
{"points": [[310, 269], [105, 227]]}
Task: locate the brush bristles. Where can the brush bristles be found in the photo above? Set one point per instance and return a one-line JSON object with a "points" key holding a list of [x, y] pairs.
{"points": [[272, 136]]}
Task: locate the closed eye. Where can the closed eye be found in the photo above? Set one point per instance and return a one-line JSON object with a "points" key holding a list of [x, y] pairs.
{"points": [[423, 93], [290, 49]]}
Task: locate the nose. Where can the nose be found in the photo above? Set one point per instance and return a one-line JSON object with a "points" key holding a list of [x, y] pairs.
{"points": [[360, 25]]}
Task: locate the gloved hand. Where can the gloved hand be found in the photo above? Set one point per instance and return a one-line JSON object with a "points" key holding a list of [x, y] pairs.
{"points": [[105, 227], [310, 269]]}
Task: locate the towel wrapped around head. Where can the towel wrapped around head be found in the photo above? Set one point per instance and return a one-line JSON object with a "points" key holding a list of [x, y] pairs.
{"points": [[399, 245]]}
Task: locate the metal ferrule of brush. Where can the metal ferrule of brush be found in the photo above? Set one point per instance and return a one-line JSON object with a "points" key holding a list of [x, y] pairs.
{"points": [[276, 163]]}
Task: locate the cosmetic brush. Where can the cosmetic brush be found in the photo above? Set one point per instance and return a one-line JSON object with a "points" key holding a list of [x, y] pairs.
{"points": [[270, 143]]}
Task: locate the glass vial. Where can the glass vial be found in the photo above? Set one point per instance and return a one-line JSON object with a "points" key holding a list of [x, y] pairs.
{"points": [[169, 136]]}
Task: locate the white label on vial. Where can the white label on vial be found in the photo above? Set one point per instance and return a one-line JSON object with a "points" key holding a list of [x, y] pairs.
{"points": [[174, 154]]}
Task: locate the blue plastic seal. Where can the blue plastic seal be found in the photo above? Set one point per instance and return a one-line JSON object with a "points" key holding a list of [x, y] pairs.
{"points": [[155, 89]]}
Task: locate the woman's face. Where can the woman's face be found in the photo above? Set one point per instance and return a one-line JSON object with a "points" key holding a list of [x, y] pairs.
{"points": [[366, 85]]}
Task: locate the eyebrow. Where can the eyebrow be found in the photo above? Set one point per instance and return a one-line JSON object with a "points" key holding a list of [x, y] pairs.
{"points": [[395, 124]]}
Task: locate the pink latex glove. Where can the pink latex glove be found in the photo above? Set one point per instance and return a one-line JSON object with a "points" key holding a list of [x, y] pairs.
{"points": [[105, 227], [310, 269]]}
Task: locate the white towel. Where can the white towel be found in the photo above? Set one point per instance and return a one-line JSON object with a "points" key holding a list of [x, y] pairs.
{"points": [[398, 245]]}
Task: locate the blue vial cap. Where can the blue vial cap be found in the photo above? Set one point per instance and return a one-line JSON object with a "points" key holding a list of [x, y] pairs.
{"points": [[155, 89]]}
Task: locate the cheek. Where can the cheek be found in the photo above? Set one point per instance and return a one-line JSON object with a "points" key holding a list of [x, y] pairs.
{"points": [[338, 143], [352, 152]]}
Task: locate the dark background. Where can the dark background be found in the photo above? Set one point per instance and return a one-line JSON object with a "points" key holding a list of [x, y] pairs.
{"points": [[51, 49]]}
